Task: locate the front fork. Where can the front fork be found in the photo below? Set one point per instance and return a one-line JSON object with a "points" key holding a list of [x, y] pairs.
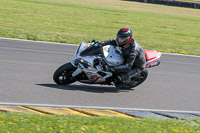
{"points": [[78, 70], [74, 63]]}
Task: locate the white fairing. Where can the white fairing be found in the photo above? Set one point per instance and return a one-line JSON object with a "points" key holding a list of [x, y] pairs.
{"points": [[113, 55], [93, 76], [82, 47]]}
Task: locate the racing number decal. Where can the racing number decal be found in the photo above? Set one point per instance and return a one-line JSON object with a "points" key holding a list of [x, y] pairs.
{"points": [[94, 78]]}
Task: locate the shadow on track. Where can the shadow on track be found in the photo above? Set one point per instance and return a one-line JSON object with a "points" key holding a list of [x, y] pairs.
{"points": [[86, 88]]}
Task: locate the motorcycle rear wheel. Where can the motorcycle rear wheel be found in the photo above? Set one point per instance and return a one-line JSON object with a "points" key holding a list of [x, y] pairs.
{"points": [[136, 81], [63, 75]]}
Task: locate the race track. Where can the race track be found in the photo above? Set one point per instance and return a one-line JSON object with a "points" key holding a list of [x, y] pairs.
{"points": [[26, 70]]}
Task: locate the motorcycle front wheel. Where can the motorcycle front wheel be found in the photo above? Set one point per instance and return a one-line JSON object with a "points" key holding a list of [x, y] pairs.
{"points": [[63, 75]]}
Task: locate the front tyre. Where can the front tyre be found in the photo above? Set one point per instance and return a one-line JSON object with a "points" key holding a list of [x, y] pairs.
{"points": [[63, 75]]}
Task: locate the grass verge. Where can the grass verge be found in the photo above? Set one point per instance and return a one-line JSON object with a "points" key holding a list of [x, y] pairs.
{"points": [[163, 28], [32, 123]]}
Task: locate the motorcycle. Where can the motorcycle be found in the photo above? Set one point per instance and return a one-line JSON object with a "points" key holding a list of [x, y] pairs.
{"points": [[89, 63]]}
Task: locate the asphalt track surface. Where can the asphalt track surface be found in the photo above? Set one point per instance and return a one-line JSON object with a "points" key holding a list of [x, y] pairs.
{"points": [[26, 70]]}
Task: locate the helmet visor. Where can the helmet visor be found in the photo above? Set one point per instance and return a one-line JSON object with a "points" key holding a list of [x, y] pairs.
{"points": [[122, 40]]}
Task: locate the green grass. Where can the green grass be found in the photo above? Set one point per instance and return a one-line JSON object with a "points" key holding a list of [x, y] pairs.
{"points": [[163, 28], [32, 123]]}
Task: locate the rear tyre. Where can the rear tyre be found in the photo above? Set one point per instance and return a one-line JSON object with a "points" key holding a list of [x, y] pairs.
{"points": [[139, 79], [135, 81], [63, 75]]}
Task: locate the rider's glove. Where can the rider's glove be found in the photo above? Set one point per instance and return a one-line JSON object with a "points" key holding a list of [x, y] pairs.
{"points": [[109, 68], [94, 41], [98, 43]]}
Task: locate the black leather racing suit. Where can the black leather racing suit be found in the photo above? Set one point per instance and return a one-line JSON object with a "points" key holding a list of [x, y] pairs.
{"points": [[134, 59]]}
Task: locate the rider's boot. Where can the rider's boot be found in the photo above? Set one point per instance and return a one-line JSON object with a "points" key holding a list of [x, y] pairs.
{"points": [[126, 77]]}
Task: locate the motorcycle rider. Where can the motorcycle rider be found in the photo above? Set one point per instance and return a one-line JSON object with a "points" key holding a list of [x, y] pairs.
{"points": [[133, 54]]}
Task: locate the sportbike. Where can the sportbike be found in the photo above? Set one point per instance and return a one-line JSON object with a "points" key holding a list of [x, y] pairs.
{"points": [[89, 64]]}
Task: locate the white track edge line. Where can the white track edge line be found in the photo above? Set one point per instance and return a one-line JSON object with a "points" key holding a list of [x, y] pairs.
{"points": [[181, 54], [97, 107], [77, 45], [14, 39]]}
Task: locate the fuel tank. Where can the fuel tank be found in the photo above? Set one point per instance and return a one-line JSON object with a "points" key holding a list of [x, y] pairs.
{"points": [[113, 55]]}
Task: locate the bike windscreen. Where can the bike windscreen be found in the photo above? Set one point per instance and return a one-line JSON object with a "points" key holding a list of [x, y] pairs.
{"points": [[92, 50]]}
